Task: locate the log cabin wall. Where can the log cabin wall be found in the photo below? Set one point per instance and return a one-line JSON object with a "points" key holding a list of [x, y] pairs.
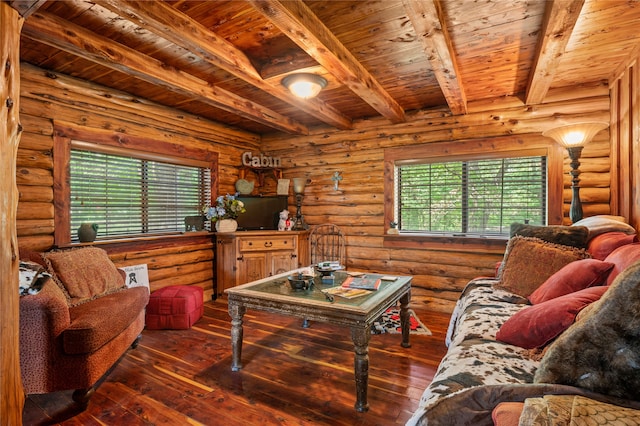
{"points": [[357, 206], [48, 100], [625, 142]]}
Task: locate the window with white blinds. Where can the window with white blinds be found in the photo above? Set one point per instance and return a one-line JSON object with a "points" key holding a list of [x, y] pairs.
{"points": [[128, 196], [471, 198]]}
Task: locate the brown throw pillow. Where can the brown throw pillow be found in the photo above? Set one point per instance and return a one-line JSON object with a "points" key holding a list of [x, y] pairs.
{"points": [[83, 274], [528, 262], [574, 236], [601, 352]]}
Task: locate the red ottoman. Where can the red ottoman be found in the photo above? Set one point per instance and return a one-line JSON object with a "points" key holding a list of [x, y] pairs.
{"points": [[175, 307]]}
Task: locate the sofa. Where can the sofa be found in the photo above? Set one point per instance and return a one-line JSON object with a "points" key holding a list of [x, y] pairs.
{"points": [[553, 336], [77, 318]]}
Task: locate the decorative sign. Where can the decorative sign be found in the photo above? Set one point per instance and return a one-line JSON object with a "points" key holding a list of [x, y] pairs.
{"points": [[283, 187], [261, 161], [136, 275]]}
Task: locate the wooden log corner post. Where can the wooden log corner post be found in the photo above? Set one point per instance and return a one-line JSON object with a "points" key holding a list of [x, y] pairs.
{"points": [[11, 393]]}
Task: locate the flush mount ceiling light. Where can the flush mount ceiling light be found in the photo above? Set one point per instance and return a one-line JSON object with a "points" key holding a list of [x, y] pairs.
{"points": [[574, 137], [304, 85]]}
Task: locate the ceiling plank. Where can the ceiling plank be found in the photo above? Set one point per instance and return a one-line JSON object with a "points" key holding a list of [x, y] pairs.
{"points": [[173, 25], [559, 20], [304, 28], [54, 31], [428, 20], [631, 59]]}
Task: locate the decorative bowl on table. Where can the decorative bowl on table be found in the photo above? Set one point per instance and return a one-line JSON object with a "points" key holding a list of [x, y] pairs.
{"points": [[300, 281]]}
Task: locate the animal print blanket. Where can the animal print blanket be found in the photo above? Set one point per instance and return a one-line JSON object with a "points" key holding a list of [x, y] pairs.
{"points": [[32, 278], [479, 372]]}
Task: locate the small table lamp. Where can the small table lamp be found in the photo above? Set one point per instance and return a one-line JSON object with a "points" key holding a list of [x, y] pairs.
{"points": [[574, 137], [298, 189]]}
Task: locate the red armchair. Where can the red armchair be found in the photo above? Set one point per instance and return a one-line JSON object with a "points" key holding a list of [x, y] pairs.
{"points": [[79, 325]]}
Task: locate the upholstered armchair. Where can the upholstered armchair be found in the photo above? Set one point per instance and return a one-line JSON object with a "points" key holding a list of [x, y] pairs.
{"points": [[74, 330]]}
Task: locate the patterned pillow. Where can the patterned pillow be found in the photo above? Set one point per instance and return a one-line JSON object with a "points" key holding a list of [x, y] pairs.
{"points": [[32, 278], [528, 262], [83, 274]]}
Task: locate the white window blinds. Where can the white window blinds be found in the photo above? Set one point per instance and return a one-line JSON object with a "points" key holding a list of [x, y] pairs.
{"points": [[129, 196]]}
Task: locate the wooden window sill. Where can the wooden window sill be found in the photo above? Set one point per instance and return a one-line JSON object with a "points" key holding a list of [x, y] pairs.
{"points": [[445, 242]]}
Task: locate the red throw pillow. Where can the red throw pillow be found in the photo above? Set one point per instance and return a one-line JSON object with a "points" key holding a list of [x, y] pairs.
{"points": [[602, 245], [572, 277], [535, 326], [507, 413], [622, 257]]}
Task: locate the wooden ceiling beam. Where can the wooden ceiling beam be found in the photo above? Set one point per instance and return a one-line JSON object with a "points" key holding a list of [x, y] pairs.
{"points": [[26, 7], [428, 20], [305, 29], [54, 31], [560, 17], [165, 21]]}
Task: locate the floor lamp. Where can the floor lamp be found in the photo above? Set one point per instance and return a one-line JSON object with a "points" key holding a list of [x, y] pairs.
{"points": [[574, 137], [298, 189]]}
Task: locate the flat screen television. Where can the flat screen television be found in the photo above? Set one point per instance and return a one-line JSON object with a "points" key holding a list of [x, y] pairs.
{"points": [[262, 212]]}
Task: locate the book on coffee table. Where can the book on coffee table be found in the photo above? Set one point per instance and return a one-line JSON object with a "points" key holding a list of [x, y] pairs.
{"points": [[361, 283], [347, 293]]}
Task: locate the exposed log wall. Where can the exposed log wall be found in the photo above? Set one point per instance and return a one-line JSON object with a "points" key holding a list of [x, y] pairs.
{"points": [[625, 140], [49, 99], [357, 206], [11, 393]]}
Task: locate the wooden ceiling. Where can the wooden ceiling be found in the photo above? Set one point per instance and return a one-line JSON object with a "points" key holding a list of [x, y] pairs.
{"points": [[224, 60]]}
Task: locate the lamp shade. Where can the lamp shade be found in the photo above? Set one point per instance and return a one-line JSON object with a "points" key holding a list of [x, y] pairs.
{"points": [[575, 135], [304, 85], [298, 185]]}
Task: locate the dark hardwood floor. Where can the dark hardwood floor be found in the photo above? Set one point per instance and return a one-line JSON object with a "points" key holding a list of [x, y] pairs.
{"points": [[291, 375]]}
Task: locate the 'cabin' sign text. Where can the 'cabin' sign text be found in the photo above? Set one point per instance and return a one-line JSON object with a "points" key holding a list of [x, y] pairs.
{"points": [[248, 159]]}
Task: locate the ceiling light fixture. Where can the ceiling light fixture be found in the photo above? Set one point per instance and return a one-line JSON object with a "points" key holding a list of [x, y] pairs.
{"points": [[574, 137], [304, 85]]}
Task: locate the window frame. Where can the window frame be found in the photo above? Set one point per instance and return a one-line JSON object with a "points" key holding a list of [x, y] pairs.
{"points": [[66, 138], [482, 148]]}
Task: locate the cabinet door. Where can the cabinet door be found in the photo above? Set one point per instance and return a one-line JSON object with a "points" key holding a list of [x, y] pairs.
{"points": [[282, 262], [252, 266], [225, 264]]}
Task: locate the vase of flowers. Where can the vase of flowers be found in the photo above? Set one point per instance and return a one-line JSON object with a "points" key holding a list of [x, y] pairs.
{"points": [[225, 212]]}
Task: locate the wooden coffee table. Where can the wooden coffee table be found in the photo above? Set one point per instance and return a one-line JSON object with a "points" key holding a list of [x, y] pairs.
{"points": [[274, 294]]}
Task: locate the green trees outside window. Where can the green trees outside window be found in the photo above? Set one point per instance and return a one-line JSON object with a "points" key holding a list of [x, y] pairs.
{"points": [[128, 196], [471, 198]]}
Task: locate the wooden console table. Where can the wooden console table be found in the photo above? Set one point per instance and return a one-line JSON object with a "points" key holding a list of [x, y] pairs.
{"points": [[246, 256]]}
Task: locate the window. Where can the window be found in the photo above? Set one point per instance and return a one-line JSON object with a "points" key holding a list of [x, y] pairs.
{"points": [[469, 192], [471, 197], [130, 186], [130, 196]]}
